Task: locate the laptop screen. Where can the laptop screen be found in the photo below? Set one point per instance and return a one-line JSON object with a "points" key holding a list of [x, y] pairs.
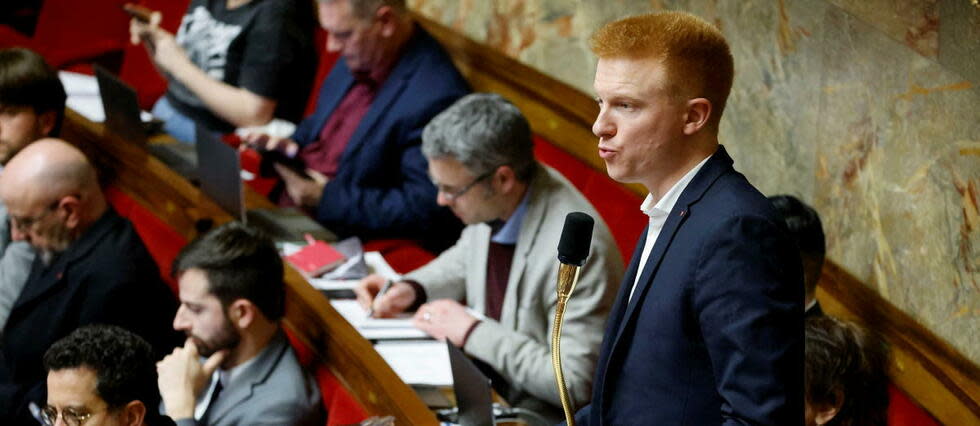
{"points": [[122, 111], [220, 173], [473, 395]]}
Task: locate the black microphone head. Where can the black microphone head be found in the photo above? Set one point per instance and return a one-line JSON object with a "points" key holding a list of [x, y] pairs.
{"points": [[576, 237]]}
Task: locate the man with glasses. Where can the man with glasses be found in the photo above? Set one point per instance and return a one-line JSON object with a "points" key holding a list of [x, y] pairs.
{"points": [[91, 267], [366, 174], [32, 106], [504, 265], [102, 375]]}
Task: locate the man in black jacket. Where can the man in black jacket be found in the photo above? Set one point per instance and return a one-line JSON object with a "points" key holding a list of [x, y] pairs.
{"points": [[91, 267]]}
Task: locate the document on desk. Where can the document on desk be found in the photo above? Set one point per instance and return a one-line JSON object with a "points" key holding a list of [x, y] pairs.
{"points": [[418, 362], [85, 98], [377, 328]]}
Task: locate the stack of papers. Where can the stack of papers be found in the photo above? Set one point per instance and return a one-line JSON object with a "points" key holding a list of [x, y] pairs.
{"points": [[377, 328], [84, 96], [418, 362]]}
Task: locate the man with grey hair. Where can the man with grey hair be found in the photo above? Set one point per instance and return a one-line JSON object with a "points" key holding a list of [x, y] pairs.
{"points": [[365, 174], [91, 268], [504, 265]]}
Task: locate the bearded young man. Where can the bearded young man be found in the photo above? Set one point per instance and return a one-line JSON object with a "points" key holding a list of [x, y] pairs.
{"points": [[231, 301]]}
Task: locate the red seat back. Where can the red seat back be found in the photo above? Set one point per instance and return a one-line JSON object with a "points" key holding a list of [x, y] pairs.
{"points": [[341, 407], [902, 411]]}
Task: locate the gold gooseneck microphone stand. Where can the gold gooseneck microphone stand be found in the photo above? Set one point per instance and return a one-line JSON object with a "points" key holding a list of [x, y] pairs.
{"points": [[573, 249], [567, 278]]}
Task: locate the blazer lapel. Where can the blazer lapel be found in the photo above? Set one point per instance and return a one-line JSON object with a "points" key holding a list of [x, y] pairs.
{"points": [[242, 387], [530, 225], [718, 164], [44, 278]]}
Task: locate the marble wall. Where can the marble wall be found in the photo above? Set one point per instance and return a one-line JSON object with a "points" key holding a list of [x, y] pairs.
{"points": [[867, 109]]}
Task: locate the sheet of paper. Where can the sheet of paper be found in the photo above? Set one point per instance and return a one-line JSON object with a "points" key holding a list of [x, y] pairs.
{"points": [[418, 362], [84, 96], [377, 328]]}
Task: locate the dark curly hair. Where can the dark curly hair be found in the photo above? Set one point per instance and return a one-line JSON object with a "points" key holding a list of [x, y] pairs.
{"points": [[122, 361], [846, 366]]}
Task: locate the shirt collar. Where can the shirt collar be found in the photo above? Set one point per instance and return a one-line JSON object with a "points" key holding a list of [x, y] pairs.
{"points": [[508, 233], [666, 203]]}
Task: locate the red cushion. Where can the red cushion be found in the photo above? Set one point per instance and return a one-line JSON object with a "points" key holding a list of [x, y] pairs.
{"points": [[161, 241], [617, 205], [403, 255], [902, 411]]}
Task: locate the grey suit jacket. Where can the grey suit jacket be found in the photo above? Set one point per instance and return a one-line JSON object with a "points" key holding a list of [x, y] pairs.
{"points": [[273, 390], [518, 347], [15, 265]]}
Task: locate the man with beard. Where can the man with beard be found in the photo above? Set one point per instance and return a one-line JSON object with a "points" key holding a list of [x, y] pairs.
{"points": [[231, 301], [91, 267], [32, 106]]}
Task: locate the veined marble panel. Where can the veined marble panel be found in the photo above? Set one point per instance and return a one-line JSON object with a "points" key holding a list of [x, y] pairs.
{"points": [[866, 109]]}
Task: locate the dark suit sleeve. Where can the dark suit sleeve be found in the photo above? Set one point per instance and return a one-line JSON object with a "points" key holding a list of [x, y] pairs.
{"points": [[582, 416], [397, 206], [748, 299]]}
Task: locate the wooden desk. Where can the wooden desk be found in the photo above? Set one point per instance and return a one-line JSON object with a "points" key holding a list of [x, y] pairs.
{"points": [[179, 204]]}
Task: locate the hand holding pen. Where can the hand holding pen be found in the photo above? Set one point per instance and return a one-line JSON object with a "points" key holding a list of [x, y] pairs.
{"points": [[382, 297]]}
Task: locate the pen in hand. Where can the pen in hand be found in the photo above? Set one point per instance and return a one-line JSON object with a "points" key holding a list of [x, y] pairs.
{"points": [[384, 289]]}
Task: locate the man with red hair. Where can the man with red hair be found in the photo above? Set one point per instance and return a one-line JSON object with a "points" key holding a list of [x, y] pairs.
{"points": [[708, 324]]}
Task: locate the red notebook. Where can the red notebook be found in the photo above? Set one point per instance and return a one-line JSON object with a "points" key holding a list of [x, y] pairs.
{"points": [[316, 258]]}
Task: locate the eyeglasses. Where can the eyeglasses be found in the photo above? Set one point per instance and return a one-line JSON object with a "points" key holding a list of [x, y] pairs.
{"points": [[25, 224], [451, 195], [71, 417]]}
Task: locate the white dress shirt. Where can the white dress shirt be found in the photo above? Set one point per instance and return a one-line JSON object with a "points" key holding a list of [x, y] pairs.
{"points": [[658, 211]]}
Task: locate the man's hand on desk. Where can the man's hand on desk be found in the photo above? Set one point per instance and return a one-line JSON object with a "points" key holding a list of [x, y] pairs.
{"points": [[304, 192], [399, 297], [445, 319], [264, 142]]}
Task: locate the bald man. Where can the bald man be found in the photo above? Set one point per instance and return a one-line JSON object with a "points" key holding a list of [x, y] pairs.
{"points": [[91, 267]]}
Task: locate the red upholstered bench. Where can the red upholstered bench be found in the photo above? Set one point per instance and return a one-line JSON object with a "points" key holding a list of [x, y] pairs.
{"points": [[73, 37], [902, 411], [342, 408]]}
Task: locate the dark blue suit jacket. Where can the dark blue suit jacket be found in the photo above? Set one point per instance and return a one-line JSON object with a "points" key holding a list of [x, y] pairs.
{"points": [[382, 187], [714, 331]]}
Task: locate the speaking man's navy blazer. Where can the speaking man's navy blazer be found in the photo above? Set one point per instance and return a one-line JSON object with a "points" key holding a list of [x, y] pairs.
{"points": [[713, 334], [382, 187]]}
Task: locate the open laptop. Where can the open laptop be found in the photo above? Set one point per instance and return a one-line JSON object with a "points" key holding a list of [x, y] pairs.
{"points": [[219, 170], [474, 396], [122, 117]]}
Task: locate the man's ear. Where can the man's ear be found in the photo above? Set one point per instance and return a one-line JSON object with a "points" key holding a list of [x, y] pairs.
{"points": [[504, 179], [386, 17], [72, 207], [133, 413], [47, 120], [826, 413], [242, 313], [697, 115]]}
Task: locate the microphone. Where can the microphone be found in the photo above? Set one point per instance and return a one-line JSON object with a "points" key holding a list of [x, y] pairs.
{"points": [[573, 249]]}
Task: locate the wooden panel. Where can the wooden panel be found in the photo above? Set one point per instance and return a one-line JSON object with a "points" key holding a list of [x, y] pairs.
{"points": [[348, 355], [929, 370]]}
